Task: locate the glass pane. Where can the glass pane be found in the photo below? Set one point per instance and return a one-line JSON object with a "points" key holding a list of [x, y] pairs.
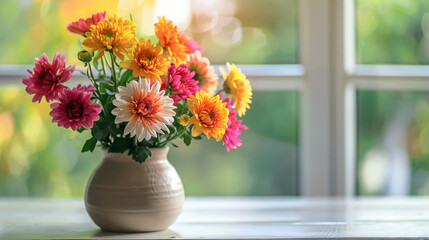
{"points": [[393, 143], [392, 32], [39, 159], [240, 31]]}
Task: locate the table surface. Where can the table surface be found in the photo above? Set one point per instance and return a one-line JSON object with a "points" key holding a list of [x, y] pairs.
{"points": [[231, 218]]}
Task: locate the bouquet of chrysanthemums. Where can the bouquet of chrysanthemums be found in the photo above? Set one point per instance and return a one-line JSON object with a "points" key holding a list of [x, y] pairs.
{"points": [[143, 94]]}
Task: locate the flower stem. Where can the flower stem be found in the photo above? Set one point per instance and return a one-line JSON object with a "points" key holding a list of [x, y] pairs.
{"points": [[92, 75], [113, 71], [220, 91], [162, 144], [104, 69], [92, 79]]}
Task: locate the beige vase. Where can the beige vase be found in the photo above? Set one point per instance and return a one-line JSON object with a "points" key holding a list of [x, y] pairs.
{"points": [[125, 196]]}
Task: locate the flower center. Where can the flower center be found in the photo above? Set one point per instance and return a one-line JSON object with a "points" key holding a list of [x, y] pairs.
{"points": [[145, 108], [206, 117], [108, 34], [142, 108], [74, 109], [146, 60]]}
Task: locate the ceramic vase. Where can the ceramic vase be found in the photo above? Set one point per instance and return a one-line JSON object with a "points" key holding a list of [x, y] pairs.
{"points": [[123, 195]]}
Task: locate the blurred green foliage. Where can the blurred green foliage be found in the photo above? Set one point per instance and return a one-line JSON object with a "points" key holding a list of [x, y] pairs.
{"points": [[392, 31], [376, 111], [239, 31], [37, 158]]}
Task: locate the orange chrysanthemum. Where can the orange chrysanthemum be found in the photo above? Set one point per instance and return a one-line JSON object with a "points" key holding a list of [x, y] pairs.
{"points": [[147, 60], [169, 38], [209, 115], [239, 87], [204, 72], [113, 34]]}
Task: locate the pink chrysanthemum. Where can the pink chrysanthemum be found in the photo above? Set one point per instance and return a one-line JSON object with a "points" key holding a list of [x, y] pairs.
{"points": [[230, 139], [75, 108], [180, 82], [191, 44], [81, 26], [46, 79]]}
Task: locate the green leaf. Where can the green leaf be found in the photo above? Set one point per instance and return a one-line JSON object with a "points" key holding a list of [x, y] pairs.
{"points": [[103, 80], [80, 129], [97, 132], [89, 145], [95, 61], [174, 145], [141, 153], [172, 130], [110, 93], [120, 145], [126, 77], [187, 139]]}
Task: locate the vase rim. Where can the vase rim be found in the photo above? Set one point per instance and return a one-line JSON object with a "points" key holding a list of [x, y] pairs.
{"points": [[157, 154]]}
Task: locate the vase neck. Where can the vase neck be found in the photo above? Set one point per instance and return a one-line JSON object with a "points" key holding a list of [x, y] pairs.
{"points": [[158, 154]]}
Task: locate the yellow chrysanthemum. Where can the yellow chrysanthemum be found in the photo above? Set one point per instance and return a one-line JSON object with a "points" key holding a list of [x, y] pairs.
{"points": [[239, 87], [209, 115], [147, 60], [169, 38], [113, 34], [184, 120]]}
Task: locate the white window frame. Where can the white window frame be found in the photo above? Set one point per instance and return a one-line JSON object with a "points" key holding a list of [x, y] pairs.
{"points": [[327, 79]]}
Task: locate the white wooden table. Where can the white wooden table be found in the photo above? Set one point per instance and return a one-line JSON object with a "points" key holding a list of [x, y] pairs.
{"points": [[231, 218]]}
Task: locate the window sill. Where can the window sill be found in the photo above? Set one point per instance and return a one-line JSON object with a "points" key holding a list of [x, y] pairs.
{"points": [[231, 218]]}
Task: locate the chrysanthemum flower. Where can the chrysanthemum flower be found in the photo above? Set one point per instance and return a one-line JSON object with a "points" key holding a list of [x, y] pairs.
{"points": [[75, 108], [184, 120], [180, 82], [113, 34], [209, 115], [144, 107], [230, 139], [204, 72], [81, 26], [147, 60], [239, 87], [46, 79], [190, 44], [169, 38]]}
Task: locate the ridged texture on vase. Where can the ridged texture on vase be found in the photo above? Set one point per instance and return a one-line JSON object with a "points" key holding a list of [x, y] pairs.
{"points": [[125, 196]]}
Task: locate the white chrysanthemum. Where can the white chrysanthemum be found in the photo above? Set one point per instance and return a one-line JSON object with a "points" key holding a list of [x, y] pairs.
{"points": [[145, 108]]}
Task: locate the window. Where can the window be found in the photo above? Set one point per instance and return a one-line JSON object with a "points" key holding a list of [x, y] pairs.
{"points": [[32, 149], [391, 151], [339, 73]]}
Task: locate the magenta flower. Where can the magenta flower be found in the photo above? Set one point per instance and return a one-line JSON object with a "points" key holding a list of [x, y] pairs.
{"points": [[81, 26], [46, 79], [230, 138], [85, 88], [180, 82], [75, 108], [190, 44]]}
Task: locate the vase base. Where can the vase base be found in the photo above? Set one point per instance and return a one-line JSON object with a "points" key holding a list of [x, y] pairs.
{"points": [[133, 222]]}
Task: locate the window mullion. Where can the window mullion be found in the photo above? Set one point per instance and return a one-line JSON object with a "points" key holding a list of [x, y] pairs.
{"points": [[316, 141]]}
